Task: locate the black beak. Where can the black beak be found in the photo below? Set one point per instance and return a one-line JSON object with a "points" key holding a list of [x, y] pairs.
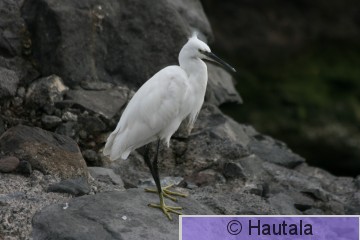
{"points": [[215, 58]]}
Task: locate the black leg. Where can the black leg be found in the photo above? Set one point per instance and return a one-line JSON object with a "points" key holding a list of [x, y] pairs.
{"points": [[147, 158], [154, 165], [155, 168]]}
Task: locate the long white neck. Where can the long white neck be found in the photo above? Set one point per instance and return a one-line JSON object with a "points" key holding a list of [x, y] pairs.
{"points": [[196, 70]]}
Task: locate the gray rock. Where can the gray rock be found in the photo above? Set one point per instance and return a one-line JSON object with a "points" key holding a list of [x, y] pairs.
{"points": [[233, 170], [111, 215], [50, 122], [274, 151], [221, 87], [8, 164], [105, 175], [24, 168], [96, 85], [2, 126], [357, 182], [8, 82], [45, 91], [91, 156], [114, 25], [105, 102], [69, 116], [206, 177], [20, 198], [91, 124], [165, 181], [21, 91], [48, 152], [68, 129], [75, 186], [12, 25], [231, 202]]}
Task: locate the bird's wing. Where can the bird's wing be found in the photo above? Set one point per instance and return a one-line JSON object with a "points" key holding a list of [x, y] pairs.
{"points": [[153, 108]]}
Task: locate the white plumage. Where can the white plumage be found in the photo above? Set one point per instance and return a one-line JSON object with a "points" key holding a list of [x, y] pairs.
{"points": [[163, 102]]}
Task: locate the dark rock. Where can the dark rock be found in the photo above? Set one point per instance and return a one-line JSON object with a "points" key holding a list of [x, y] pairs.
{"points": [[48, 152], [233, 170], [2, 126], [114, 25], [106, 102], [45, 91], [105, 175], [91, 156], [12, 25], [111, 215], [76, 186], [96, 85], [50, 122], [8, 82], [92, 124], [68, 129], [274, 151], [352, 205], [24, 168], [220, 87], [357, 182], [8, 164]]}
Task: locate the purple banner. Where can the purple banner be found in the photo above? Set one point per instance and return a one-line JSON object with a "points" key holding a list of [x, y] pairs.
{"points": [[269, 228]]}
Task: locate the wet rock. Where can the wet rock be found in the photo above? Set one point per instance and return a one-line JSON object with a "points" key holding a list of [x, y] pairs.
{"points": [[8, 164], [48, 152], [75, 186], [95, 28], [105, 175], [105, 102], [111, 215], [50, 122], [8, 82], [45, 91]]}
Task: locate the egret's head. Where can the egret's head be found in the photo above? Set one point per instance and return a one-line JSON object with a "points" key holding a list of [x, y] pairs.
{"points": [[195, 48]]}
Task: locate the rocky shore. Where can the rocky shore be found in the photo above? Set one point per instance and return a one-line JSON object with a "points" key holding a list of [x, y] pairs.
{"points": [[67, 69]]}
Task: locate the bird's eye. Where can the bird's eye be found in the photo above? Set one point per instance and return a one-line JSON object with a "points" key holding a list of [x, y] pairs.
{"points": [[201, 51]]}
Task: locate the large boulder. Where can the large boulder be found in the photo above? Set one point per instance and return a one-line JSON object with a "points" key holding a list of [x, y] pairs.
{"points": [[111, 215], [47, 152], [15, 43], [111, 48]]}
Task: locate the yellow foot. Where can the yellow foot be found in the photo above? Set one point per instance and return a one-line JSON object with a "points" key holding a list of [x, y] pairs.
{"points": [[166, 209], [167, 192]]}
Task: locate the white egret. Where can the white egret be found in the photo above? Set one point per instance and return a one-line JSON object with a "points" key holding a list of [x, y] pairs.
{"points": [[157, 109]]}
